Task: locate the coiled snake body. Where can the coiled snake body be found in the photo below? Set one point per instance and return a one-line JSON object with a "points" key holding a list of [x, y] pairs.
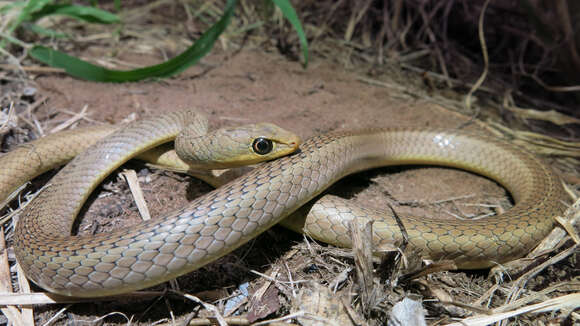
{"points": [[224, 219]]}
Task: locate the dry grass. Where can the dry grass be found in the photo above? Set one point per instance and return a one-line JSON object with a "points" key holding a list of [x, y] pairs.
{"points": [[408, 48]]}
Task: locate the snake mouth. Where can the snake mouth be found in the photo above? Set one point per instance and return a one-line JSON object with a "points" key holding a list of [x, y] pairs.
{"points": [[293, 144], [286, 147]]}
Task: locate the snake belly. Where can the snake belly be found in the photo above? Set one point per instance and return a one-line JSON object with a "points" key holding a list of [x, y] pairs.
{"points": [[215, 224]]}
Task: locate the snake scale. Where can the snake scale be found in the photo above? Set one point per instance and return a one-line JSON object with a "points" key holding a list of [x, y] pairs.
{"points": [[215, 224]]}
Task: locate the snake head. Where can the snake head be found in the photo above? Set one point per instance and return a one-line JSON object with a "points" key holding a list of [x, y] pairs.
{"points": [[238, 146]]}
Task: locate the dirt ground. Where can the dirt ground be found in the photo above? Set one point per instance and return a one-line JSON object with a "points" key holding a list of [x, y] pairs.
{"points": [[253, 86]]}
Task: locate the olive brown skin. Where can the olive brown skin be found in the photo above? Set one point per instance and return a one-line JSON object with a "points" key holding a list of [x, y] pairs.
{"points": [[224, 219]]}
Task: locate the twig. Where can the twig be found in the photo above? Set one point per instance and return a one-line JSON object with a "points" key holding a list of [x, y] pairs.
{"points": [[575, 88], [27, 312], [211, 308], [131, 177], [481, 78]]}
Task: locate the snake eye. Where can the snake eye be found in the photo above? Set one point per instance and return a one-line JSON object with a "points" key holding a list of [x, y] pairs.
{"points": [[262, 146]]}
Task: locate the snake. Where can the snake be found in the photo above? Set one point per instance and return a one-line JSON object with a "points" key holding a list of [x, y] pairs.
{"points": [[222, 220]]}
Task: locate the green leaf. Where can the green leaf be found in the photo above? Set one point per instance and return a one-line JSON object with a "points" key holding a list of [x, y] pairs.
{"points": [[290, 14], [84, 70], [29, 9], [35, 5], [88, 14]]}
